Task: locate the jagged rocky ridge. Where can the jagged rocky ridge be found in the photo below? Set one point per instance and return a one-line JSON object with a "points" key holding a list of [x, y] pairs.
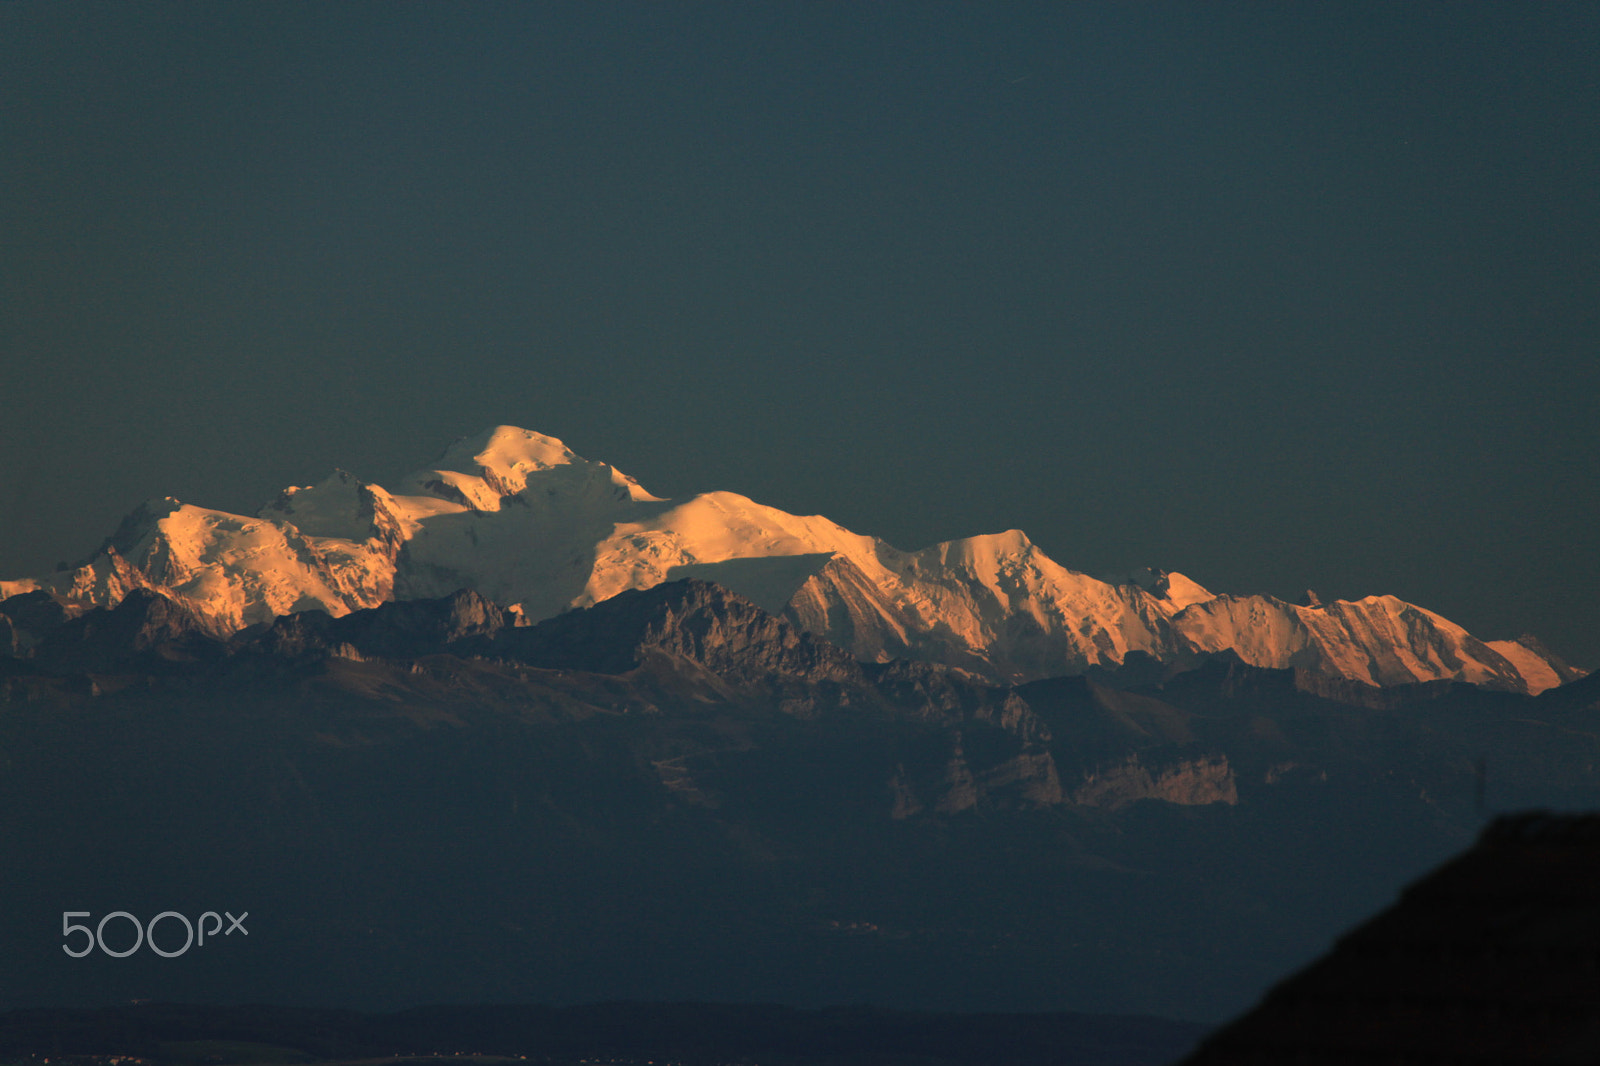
{"points": [[519, 518], [687, 641], [1104, 740]]}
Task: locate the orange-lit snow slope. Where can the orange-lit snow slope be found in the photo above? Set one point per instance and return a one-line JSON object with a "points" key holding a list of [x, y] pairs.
{"points": [[517, 516]]}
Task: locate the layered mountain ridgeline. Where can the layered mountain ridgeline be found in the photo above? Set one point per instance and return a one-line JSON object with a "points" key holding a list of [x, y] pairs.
{"points": [[676, 794], [519, 518]]}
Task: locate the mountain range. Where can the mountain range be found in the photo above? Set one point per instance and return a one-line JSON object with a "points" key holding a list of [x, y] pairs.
{"points": [[519, 518], [525, 732], [676, 794]]}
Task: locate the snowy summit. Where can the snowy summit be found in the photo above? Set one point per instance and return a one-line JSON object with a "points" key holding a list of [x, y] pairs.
{"points": [[522, 519]]}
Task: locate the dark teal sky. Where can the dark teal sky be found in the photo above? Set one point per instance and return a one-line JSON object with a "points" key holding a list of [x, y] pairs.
{"points": [[1278, 295]]}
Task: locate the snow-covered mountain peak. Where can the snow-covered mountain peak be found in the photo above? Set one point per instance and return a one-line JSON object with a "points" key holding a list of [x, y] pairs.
{"points": [[520, 518], [985, 553], [1183, 591], [508, 452], [481, 471]]}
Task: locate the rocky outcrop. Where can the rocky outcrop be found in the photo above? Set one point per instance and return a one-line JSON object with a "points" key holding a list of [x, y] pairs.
{"points": [[694, 620], [28, 618], [407, 629], [1192, 782], [143, 622]]}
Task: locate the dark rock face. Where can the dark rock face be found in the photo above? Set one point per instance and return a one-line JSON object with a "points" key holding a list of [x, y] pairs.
{"points": [[397, 630], [26, 619], [145, 623], [35, 612], [696, 620], [1574, 699]]}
